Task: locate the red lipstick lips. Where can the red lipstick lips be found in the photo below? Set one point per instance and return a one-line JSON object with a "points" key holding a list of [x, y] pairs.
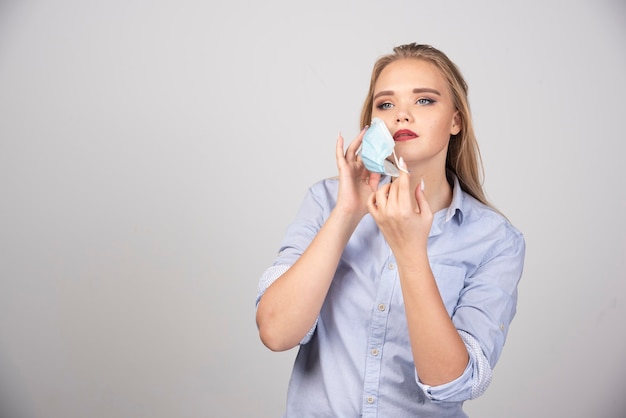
{"points": [[404, 135]]}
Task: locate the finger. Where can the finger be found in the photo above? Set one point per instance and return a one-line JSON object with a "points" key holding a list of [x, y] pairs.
{"points": [[403, 183], [382, 196], [397, 189], [354, 146], [339, 149], [422, 204], [372, 205], [394, 191]]}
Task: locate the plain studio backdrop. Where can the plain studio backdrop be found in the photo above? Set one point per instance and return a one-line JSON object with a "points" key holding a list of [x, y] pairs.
{"points": [[152, 154]]}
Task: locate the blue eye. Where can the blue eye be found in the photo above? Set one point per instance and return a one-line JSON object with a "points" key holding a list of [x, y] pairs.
{"points": [[384, 106], [425, 101]]}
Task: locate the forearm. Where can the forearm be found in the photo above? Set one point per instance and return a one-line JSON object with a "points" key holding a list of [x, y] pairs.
{"points": [[439, 353], [291, 305]]}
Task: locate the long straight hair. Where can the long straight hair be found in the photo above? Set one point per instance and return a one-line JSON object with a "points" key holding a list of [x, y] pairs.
{"points": [[463, 157]]}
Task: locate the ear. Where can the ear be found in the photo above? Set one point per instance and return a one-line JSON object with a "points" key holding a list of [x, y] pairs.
{"points": [[455, 128]]}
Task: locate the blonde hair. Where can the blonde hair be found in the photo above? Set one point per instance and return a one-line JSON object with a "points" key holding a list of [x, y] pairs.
{"points": [[463, 158]]}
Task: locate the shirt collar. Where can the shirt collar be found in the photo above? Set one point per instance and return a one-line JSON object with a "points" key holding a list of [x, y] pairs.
{"points": [[455, 210], [456, 206]]}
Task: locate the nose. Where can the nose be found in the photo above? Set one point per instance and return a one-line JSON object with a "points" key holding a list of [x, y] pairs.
{"points": [[403, 115]]}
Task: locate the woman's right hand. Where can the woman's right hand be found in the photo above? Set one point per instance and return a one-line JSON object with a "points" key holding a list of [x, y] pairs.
{"points": [[356, 183], [291, 305]]}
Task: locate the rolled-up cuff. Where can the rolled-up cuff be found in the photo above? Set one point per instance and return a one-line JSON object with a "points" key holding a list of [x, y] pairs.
{"points": [[471, 384], [268, 277]]}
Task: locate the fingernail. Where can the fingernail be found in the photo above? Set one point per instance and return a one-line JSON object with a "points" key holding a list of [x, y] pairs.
{"points": [[402, 165], [422, 184]]}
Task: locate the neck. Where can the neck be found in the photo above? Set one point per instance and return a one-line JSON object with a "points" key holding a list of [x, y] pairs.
{"points": [[436, 188]]}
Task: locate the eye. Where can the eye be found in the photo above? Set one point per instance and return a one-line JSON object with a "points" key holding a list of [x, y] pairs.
{"points": [[384, 106], [424, 101]]}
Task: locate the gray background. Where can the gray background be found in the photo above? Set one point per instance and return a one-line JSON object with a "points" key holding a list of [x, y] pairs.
{"points": [[152, 154]]}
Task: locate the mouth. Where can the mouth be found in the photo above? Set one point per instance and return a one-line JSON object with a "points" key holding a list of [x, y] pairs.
{"points": [[404, 135]]}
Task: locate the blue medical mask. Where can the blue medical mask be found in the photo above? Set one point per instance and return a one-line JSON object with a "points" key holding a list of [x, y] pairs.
{"points": [[377, 145]]}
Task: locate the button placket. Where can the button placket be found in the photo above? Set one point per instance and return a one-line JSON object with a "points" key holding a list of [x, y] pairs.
{"points": [[376, 337]]}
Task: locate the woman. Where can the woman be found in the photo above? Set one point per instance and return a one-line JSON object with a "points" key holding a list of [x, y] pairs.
{"points": [[399, 291]]}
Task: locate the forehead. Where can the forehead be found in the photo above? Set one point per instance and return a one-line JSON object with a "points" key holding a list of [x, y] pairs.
{"points": [[410, 73]]}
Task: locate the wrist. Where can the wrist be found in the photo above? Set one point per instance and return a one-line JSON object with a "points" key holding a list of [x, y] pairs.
{"points": [[346, 216], [412, 257]]}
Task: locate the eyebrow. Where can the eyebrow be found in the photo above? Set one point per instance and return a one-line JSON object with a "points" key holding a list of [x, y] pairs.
{"points": [[416, 90]]}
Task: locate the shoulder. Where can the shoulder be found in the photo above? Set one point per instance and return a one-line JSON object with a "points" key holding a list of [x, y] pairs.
{"points": [[329, 183], [325, 189], [477, 215], [321, 196]]}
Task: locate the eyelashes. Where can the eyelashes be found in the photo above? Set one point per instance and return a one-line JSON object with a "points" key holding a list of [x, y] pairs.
{"points": [[384, 106], [425, 101], [422, 101]]}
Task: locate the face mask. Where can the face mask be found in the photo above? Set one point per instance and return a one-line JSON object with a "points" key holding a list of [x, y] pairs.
{"points": [[377, 145]]}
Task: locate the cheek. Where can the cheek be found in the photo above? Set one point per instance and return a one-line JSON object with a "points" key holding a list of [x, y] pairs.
{"points": [[438, 127], [384, 116]]}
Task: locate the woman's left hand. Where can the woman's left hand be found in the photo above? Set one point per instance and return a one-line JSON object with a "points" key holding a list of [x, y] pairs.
{"points": [[403, 215]]}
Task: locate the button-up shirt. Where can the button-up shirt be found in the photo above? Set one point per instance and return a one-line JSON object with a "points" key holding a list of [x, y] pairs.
{"points": [[357, 359]]}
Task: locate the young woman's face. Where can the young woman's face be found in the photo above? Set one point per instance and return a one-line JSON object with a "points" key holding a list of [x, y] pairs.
{"points": [[413, 99]]}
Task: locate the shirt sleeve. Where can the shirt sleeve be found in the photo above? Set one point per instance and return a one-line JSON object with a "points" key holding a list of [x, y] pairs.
{"points": [[269, 276], [471, 384], [312, 214], [486, 306], [488, 301]]}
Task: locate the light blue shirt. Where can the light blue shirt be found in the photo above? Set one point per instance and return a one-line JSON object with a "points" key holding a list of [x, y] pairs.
{"points": [[357, 359]]}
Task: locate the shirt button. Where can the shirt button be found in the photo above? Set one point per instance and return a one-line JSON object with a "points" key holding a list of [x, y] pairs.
{"points": [[391, 266], [501, 327], [370, 399], [374, 351], [381, 307]]}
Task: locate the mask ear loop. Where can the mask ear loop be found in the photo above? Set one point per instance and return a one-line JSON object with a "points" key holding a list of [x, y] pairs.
{"points": [[395, 157]]}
